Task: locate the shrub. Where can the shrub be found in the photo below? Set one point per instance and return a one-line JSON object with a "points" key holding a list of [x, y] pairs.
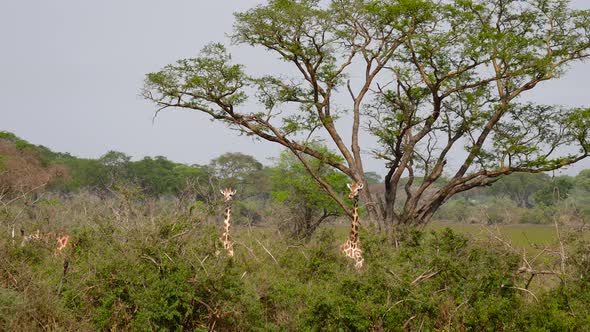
{"points": [[172, 274]]}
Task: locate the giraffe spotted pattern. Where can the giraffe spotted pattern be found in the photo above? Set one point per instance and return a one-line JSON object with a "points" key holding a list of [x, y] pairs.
{"points": [[62, 239], [351, 248], [228, 245]]}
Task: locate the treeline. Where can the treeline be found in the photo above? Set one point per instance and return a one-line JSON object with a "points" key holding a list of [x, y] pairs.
{"points": [[284, 186], [157, 176], [525, 198]]}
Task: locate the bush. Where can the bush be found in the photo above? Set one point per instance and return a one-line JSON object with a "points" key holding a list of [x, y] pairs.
{"points": [[539, 214], [490, 210], [172, 274]]}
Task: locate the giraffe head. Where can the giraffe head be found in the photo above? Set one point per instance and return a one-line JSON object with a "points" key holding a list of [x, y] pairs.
{"points": [[228, 194], [355, 187]]}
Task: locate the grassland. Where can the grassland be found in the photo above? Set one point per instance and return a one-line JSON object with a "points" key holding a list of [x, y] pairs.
{"points": [[521, 235]]}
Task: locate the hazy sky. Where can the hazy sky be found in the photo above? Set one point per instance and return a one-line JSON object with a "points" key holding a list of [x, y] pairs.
{"points": [[71, 72]]}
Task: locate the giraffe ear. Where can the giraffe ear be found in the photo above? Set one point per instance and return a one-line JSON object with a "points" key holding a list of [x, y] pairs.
{"points": [[221, 191], [233, 192], [348, 185], [360, 186]]}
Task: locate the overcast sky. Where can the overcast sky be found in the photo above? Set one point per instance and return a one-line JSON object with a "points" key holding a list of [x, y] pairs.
{"points": [[71, 72]]}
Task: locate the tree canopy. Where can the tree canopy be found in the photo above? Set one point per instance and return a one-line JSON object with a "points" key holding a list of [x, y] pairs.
{"points": [[428, 79]]}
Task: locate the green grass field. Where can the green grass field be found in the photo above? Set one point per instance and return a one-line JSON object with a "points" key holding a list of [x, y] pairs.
{"points": [[523, 236], [520, 236], [532, 238]]}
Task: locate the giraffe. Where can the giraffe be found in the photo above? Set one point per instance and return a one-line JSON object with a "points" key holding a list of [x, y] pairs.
{"points": [[62, 239], [351, 248], [228, 195], [31, 237]]}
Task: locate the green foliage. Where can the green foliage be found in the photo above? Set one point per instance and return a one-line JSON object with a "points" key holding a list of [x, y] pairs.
{"points": [[521, 187], [565, 307], [373, 178], [540, 214], [210, 77], [20, 143], [558, 189], [295, 188], [237, 170], [523, 198], [459, 210], [156, 175], [84, 173], [583, 180], [46, 155], [173, 275]]}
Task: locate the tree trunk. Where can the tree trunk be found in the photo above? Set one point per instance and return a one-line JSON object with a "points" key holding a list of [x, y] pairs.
{"points": [[371, 205]]}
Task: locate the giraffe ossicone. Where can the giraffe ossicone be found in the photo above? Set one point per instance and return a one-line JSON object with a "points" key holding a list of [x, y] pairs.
{"points": [[351, 248], [228, 245]]}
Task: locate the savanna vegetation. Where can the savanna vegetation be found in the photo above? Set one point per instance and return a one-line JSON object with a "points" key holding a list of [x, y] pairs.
{"points": [[145, 252], [439, 85]]}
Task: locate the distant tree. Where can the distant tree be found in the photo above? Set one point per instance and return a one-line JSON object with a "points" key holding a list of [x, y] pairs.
{"points": [[520, 187], [19, 143], [559, 188], [430, 78], [301, 194], [238, 170], [81, 173], [234, 165], [194, 184], [117, 165], [583, 180], [373, 178], [192, 172], [84, 173], [22, 171], [44, 154], [115, 159], [581, 194], [157, 176]]}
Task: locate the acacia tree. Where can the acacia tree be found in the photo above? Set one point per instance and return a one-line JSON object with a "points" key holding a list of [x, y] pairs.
{"points": [[234, 168], [429, 79]]}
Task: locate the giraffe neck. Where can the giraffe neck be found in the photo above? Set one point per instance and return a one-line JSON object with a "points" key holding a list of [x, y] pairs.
{"points": [[227, 244], [351, 248], [227, 219], [354, 229]]}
